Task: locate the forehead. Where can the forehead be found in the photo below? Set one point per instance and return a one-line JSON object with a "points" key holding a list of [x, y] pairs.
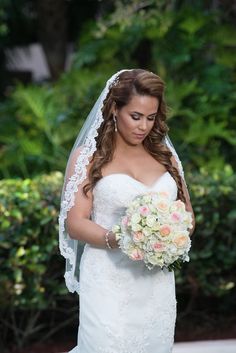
{"points": [[143, 104]]}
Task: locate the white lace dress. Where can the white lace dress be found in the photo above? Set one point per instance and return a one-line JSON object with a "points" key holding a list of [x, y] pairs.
{"points": [[124, 306]]}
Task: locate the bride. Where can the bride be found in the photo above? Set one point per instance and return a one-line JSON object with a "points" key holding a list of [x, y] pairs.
{"points": [[122, 150]]}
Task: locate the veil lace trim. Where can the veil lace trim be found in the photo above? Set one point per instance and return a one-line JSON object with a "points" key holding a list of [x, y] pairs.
{"points": [[80, 170], [67, 245]]}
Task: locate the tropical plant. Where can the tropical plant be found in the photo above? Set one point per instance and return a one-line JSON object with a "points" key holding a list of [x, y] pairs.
{"points": [[38, 124], [190, 47]]}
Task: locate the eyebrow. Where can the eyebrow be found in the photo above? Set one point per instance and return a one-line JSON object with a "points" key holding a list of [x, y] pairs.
{"points": [[143, 114]]}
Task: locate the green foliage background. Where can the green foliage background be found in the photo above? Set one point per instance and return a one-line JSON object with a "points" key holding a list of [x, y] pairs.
{"points": [[32, 269], [192, 47]]}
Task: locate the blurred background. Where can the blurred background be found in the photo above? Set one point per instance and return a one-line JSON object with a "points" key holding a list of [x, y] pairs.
{"points": [[55, 56]]}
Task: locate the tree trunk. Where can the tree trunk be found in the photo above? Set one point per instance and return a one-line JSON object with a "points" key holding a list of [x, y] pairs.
{"points": [[52, 19]]}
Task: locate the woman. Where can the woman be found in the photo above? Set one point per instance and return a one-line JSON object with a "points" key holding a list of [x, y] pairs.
{"points": [[123, 150]]}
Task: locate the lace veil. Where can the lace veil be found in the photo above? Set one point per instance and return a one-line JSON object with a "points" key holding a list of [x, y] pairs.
{"points": [[75, 174]]}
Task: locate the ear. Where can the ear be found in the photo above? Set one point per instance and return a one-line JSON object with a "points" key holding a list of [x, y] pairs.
{"points": [[114, 109]]}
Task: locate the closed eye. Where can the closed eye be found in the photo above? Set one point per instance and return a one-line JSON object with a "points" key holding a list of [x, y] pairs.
{"points": [[135, 117]]}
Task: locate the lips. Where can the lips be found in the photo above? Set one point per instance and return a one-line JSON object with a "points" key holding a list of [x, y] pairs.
{"points": [[140, 136]]}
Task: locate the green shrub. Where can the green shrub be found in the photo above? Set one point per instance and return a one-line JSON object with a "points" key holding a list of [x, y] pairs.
{"points": [[210, 274], [190, 45], [28, 239], [186, 46], [40, 123], [31, 277]]}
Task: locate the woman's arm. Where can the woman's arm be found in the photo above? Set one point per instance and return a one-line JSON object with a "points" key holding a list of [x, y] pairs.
{"points": [[78, 223], [187, 197]]}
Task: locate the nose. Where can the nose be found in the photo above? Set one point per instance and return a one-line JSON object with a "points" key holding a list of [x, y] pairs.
{"points": [[143, 124]]}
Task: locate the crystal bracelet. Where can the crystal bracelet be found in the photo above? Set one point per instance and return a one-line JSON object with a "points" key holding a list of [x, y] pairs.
{"points": [[107, 239]]}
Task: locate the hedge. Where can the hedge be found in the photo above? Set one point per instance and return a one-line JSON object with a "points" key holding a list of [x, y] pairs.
{"points": [[31, 277]]}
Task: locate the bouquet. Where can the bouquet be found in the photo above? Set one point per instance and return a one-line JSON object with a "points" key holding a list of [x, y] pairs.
{"points": [[155, 229]]}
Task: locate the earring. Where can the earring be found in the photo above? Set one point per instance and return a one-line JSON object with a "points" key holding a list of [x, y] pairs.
{"points": [[114, 119]]}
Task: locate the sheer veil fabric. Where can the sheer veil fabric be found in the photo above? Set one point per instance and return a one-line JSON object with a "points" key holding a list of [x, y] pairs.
{"points": [[76, 170]]}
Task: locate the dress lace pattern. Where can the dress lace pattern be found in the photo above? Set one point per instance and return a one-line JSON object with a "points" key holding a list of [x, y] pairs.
{"points": [[124, 306]]}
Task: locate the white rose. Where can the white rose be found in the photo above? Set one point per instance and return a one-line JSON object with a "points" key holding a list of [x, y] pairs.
{"points": [[116, 229], [146, 231], [135, 218], [151, 220], [136, 227], [172, 249]]}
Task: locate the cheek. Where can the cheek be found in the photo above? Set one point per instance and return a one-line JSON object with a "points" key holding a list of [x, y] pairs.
{"points": [[127, 123]]}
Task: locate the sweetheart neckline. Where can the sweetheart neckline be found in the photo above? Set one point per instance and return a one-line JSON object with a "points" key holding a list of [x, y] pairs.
{"points": [[139, 182]]}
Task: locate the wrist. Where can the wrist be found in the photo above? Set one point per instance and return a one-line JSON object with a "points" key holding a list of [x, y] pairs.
{"points": [[110, 240]]}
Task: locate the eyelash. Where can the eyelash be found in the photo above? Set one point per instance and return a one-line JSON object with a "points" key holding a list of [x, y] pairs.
{"points": [[136, 118]]}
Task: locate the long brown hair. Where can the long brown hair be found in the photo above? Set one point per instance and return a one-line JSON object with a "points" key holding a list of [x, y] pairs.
{"points": [[131, 83]]}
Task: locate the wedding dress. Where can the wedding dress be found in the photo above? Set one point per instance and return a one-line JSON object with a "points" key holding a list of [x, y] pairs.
{"points": [[124, 306]]}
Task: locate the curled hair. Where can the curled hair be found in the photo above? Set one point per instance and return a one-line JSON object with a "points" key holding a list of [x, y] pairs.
{"points": [[128, 84]]}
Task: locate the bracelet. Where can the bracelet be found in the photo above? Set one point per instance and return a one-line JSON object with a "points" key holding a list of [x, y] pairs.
{"points": [[107, 239]]}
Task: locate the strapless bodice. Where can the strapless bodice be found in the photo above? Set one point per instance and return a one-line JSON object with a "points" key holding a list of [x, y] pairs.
{"points": [[113, 193]]}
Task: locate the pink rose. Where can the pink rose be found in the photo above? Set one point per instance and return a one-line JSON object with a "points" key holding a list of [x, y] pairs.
{"points": [[162, 206], [165, 230], [137, 236], [179, 205], [144, 210], [180, 240], [176, 217], [158, 246], [125, 221], [136, 255]]}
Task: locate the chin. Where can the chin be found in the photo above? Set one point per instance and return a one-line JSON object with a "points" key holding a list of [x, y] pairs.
{"points": [[136, 143], [131, 141]]}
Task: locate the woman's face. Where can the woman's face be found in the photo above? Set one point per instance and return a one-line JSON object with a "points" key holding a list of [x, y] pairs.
{"points": [[136, 119]]}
